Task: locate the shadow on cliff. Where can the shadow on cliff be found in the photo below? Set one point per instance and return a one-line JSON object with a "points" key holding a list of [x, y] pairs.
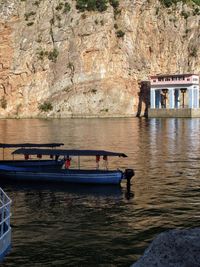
{"points": [[144, 98]]}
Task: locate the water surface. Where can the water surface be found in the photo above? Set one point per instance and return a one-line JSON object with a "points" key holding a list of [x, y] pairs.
{"points": [[90, 226]]}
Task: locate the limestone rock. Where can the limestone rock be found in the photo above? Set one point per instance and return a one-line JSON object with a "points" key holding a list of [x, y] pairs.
{"points": [[81, 64], [175, 248]]}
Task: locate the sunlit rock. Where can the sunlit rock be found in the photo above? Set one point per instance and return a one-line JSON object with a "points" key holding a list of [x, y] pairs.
{"points": [[90, 63]]}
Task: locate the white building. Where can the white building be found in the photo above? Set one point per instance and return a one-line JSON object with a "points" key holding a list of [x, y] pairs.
{"points": [[172, 92], [175, 91]]}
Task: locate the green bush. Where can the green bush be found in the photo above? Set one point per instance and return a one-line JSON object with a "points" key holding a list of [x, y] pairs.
{"points": [[53, 55], [196, 11], [101, 5], [197, 2], [120, 34], [67, 8], [168, 3], [59, 6], [3, 102], [91, 5], [114, 3], [185, 14], [36, 3], [70, 65], [193, 52], [46, 106], [42, 54], [28, 15], [116, 26], [30, 23]]}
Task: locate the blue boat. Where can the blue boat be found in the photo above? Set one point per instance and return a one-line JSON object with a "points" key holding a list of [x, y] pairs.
{"points": [[67, 174], [28, 161], [5, 229]]}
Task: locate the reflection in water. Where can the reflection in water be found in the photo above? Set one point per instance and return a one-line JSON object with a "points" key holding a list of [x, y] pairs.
{"points": [[70, 226]]}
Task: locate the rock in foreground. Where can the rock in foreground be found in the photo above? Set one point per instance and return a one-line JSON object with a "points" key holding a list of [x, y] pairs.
{"points": [[175, 248]]}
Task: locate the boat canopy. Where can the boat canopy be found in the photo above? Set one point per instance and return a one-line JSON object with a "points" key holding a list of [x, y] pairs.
{"points": [[64, 152], [2, 145]]}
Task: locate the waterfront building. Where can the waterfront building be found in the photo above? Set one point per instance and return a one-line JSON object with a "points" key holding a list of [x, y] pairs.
{"points": [[174, 96]]}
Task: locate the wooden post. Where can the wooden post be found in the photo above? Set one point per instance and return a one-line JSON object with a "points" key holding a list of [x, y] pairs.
{"points": [[183, 91], [165, 97]]}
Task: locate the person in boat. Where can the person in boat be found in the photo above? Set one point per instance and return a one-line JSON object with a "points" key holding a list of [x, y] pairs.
{"points": [[67, 162], [97, 161], [105, 158], [26, 157]]}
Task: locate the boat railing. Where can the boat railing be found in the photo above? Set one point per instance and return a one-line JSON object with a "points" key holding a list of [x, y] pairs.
{"points": [[5, 228]]}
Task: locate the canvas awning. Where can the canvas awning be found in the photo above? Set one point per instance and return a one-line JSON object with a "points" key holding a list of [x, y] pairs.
{"points": [[4, 145], [65, 152]]}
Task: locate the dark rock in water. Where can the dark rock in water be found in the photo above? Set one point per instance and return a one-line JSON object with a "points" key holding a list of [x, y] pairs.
{"points": [[174, 248]]}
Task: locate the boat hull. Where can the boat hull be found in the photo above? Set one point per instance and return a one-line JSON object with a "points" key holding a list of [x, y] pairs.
{"points": [[65, 176], [33, 163]]}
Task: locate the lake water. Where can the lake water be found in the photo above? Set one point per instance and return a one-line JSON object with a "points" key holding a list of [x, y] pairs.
{"points": [[92, 226]]}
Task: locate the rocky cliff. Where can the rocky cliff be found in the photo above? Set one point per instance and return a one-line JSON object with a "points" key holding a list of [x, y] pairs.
{"points": [[57, 60]]}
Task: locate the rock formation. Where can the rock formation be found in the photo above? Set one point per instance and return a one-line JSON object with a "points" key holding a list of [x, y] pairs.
{"points": [[175, 248], [58, 61]]}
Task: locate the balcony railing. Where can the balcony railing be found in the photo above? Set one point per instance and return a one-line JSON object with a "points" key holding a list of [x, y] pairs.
{"points": [[5, 229]]}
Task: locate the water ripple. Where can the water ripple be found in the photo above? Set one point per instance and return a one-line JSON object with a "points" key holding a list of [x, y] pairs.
{"points": [[69, 226]]}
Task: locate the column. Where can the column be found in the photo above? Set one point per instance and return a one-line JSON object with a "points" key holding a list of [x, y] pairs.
{"points": [[176, 100], [171, 98], [196, 97], [159, 98], [152, 98], [190, 96]]}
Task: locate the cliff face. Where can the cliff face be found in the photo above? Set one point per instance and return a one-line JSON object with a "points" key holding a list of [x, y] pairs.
{"points": [[90, 63]]}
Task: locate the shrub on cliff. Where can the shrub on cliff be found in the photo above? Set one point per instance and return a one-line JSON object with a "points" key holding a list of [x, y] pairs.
{"points": [[197, 2], [193, 51], [91, 5], [46, 106], [3, 102], [53, 55], [168, 3], [120, 33], [114, 3], [67, 8]]}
